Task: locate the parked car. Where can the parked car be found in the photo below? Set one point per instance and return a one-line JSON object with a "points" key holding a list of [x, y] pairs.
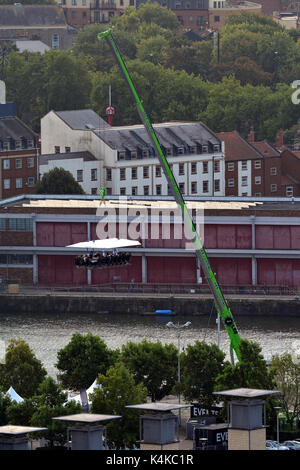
{"points": [[292, 445], [273, 445]]}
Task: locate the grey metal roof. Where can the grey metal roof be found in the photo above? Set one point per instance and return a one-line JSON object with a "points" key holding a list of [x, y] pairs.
{"points": [[85, 119], [31, 15], [45, 158], [32, 46], [15, 128], [246, 392], [179, 134]]}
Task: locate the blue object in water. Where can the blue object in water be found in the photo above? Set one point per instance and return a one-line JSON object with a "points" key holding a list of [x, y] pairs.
{"points": [[164, 312]]}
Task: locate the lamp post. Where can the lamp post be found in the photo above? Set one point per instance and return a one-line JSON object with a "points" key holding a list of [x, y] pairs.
{"points": [[277, 408], [178, 329]]}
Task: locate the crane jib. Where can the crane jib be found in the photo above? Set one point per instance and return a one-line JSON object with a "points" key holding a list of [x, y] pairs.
{"points": [[219, 300]]}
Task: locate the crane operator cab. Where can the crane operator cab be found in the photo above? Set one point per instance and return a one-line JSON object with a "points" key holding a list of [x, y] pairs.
{"points": [[104, 253]]}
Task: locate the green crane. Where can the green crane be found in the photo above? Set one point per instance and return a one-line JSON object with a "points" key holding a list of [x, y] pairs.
{"points": [[222, 308]]}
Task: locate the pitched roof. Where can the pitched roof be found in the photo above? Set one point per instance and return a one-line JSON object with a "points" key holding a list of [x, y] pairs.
{"points": [[266, 149], [237, 148], [31, 15], [15, 128], [168, 133], [85, 119]]}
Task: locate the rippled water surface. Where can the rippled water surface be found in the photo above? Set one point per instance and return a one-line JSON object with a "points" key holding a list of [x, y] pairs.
{"points": [[46, 334]]}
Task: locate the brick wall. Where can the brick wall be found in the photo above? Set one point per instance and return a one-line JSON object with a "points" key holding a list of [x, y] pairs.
{"points": [[21, 275]]}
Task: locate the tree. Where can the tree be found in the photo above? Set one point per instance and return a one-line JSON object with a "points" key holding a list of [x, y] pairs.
{"points": [[82, 359], [21, 370], [201, 363], [287, 378], [4, 404], [153, 364], [58, 181], [118, 389], [51, 403], [251, 372]]}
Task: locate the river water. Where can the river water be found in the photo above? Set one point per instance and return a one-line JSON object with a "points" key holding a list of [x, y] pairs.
{"points": [[46, 334]]}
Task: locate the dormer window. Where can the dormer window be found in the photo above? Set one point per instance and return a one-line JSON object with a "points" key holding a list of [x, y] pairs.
{"points": [[121, 155], [145, 153], [18, 144], [180, 150], [6, 145], [133, 155], [216, 148], [169, 151], [204, 148], [193, 149]]}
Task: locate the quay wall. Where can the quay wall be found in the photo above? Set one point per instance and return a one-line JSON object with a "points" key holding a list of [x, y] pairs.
{"points": [[143, 304]]}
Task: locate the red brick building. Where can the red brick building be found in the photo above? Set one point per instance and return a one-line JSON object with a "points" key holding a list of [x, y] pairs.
{"points": [[18, 155], [258, 168]]}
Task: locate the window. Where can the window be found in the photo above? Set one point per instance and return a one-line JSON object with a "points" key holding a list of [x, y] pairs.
{"points": [[67, 149], [216, 19], [30, 144], [55, 40], [56, 149], [257, 164], [94, 174], [244, 180], [257, 194], [131, 3], [74, 2], [146, 190], [216, 148], [273, 171], [205, 187], [122, 191], [194, 187], [205, 167], [158, 189], [3, 224], [273, 188], [108, 191], [168, 151], [134, 173], [133, 155], [74, 14], [122, 173], [244, 165], [19, 183], [94, 191], [22, 225], [230, 183], [217, 166], [145, 172], [6, 145], [230, 166], [134, 191], [191, 19], [204, 148], [157, 171], [79, 175], [83, 3], [194, 168], [18, 162], [121, 156], [200, 20], [181, 169], [30, 181], [18, 144], [108, 174], [6, 164], [217, 185], [30, 162], [257, 180], [145, 153], [16, 259], [181, 187], [6, 183], [193, 150], [289, 191]]}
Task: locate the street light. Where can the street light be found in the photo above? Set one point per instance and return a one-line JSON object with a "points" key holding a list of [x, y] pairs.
{"points": [[178, 328], [277, 408]]}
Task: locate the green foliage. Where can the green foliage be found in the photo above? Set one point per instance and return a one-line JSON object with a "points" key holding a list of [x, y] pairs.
{"points": [[251, 372], [29, 2], [5, 402], [118, 390], [154, 364], [286, 370], [21, 413], [82, 359], [201, 363], [21, 370], [58, 181]]}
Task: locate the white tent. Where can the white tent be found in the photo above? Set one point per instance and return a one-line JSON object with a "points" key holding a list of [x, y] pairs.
{"points": [[106, 244], [13, 395], [77, 398]]}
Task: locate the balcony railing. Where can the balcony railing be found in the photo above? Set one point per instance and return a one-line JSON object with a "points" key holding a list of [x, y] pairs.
{"points": [[103, 6]]}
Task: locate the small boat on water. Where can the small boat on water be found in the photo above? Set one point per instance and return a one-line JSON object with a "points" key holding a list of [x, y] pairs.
{"points": [[167, 313]]}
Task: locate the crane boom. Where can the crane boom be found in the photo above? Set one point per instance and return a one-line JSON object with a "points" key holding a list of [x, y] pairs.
{"points": [[222, 308]]}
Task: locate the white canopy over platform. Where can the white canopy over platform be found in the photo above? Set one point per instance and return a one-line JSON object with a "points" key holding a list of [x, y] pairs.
{"points": [[106, 244]]}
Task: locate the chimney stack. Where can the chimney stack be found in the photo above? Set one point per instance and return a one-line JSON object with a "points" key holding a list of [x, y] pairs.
{"points": [[251, 135], [279, 139]]}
